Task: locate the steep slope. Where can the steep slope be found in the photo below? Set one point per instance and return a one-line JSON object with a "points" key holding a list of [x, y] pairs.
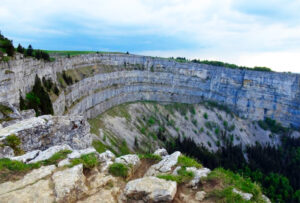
{"points": [[146, 125]]}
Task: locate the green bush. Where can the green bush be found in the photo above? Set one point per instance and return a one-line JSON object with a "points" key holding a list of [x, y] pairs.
{"points": [[183, 176], [186, 161], [118, 169], [205, 115], [14, 142]]}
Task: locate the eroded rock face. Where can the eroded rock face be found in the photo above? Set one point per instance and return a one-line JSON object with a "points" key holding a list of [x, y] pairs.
{"points": [[40, 133], [6, 152], [164, 166], [69, 184], [151, 189]]}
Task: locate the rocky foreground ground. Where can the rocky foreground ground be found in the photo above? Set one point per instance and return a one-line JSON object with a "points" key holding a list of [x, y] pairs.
{"points": [[51, 159]]}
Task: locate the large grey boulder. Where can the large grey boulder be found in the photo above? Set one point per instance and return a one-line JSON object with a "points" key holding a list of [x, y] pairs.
{"points": [[150, 189], [198, 174], [131, 160], [40, 133], [164, 166], [106, 159], [161, 152]]}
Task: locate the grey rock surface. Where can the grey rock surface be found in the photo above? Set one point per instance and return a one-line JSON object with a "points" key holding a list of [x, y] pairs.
{"points": [[6, 152], [124, 77]]}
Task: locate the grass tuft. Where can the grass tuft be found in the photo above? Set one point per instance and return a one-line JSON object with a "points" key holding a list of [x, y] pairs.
{"points": [[150, 156], [118, 169], [186, 161], [88, 160]]}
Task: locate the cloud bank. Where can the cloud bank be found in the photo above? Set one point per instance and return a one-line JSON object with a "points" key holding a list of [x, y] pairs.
{"points": [[251, 33]]}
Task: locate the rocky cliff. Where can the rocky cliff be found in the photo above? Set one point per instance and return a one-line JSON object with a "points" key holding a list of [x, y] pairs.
{"points": [[107, 80]]}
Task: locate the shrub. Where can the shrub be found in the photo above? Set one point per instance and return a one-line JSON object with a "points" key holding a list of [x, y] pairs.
{"points": [[186, 161], [205, 115], [14, 142], [118, 169], [183, 176]]}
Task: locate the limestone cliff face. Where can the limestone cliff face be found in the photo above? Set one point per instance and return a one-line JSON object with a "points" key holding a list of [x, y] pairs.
{"points": [[124, 78]]}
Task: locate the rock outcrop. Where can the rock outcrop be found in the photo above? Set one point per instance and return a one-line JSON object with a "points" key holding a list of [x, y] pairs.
{"points": [[40, 133], [118, 78]]}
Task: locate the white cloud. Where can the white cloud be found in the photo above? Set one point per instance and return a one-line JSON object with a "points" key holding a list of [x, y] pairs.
{"points": [[238, 31]]}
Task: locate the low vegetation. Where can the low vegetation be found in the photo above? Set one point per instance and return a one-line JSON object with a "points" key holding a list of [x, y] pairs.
{"points": [[182, 176], [87, 160], [14, 142], [58, 156], [186, 161], [119, 169], [150, 157]]}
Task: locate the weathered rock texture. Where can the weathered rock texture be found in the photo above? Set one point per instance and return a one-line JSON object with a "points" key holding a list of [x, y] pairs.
{"points": [[121, 78], [40, 133]]}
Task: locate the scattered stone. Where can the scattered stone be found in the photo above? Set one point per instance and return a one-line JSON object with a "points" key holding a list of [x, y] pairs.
{"points": [[69, 184], [161, 152], [200, 195], [106, 159], [29, 178], [78, 153], [150, 189], [27, 157], [44, 155], [245, 196], [6, 152], [38, 192], [164, 166]]}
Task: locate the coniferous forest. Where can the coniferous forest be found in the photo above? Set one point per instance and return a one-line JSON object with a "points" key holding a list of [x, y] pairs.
{"points": [[276, 169]]}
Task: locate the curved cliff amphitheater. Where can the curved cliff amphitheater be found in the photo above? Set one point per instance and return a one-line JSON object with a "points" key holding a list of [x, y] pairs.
{"points": [[106, 80]]}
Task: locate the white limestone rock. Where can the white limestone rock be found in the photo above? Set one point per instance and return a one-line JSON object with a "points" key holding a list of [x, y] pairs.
{"points": [[64, 162], [245, 196], [131, 160], [106, 159], [27, 157], [161, 152], [200, 195], [6, 152], [266, 199], [69, 184], [198, 174], [44, 155], [28, 179], [40, 191], [78, 153], [150, 189], [164, 166]]}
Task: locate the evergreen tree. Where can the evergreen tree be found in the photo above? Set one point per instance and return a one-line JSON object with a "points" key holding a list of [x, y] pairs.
{"points": [[29, 51], [20, 49], [22, 103]]}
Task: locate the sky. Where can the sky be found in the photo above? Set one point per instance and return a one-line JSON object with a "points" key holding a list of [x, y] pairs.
{"points": [[250, 33]]}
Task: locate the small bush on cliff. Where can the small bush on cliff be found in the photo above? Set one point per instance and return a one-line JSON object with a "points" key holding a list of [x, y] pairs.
{"points": [[118, 169], [186, 161]]}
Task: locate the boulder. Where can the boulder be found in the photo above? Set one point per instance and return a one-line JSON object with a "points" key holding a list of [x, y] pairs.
{"points": [[6, 152], [266, 199], [161, 152], [106, 159], [44, 155], [200, 195], [164, 166], [69, 184], [40, 133], [27, 157], [150, 189], [28, 179], [245, 196]]}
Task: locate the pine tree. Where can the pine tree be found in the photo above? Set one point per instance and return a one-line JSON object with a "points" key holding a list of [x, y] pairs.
{"points": [[20, 49], [29, 51]]}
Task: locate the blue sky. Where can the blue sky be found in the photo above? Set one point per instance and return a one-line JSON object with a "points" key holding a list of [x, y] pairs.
{"points": [[251, 33]]}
